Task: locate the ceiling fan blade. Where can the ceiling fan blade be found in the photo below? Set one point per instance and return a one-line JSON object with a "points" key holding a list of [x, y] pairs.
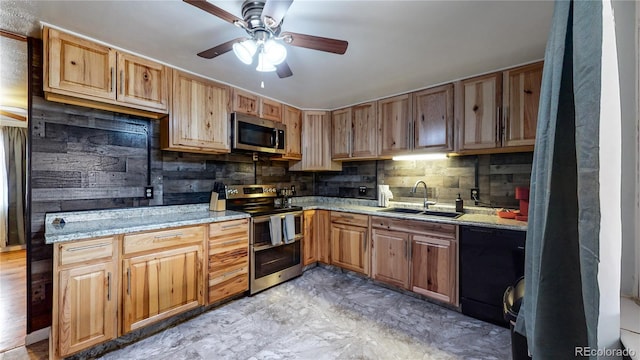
{"points": [[276, 9], [214, 10], [283, 70], [317, 43], [220, 49]]}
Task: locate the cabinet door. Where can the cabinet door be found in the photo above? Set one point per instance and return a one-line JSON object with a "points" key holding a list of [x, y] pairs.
{"points": [[322, 235], [199, 116], [309, 241], [80, 66], [341, 134], [228, 258], [293, 121], [316, 143], [394, 116], [142, 82], [364, 131], [521, 98], [160, 285], [349, 247], [433, 119], [433, 268], [390, 257], [245, 103], [87, 307], [271, 110], [481, 112]]}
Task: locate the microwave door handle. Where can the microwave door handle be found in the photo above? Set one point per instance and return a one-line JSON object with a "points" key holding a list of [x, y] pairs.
{"points": [[277, 137]]}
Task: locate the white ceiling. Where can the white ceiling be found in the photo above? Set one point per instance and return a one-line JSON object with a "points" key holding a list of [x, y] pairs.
{"points": [[394, 46]]}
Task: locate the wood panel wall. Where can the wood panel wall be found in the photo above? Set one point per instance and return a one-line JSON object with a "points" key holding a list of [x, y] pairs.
{"points": [[84, 159]]}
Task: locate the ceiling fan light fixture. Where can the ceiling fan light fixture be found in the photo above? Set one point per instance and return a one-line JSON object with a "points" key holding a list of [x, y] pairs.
{"points": [[264, 65], [245, 50], [275, 52]]}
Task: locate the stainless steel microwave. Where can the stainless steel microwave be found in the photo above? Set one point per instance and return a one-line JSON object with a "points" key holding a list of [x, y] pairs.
{"points": [[255, 134]]}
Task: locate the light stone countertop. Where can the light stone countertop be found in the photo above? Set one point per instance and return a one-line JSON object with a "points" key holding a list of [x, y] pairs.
{"points": [[97, 223], [473, 216]]}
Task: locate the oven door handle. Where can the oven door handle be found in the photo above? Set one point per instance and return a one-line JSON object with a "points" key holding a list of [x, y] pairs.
{"points": [[264, 247]]}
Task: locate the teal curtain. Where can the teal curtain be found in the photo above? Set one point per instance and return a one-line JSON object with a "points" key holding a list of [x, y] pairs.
{"points": [[561, 302]]}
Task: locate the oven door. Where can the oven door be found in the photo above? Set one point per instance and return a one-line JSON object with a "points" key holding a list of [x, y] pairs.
{"points": [[273, 264]]}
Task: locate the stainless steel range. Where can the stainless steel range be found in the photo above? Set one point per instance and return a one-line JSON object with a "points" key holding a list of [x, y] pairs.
{"points": [[275, 236]]}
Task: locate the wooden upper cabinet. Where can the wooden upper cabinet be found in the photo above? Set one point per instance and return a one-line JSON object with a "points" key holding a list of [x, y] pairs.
{"points": [[363, 131], [341, 134], [433, 119], [79, 66], [252, 104], [292, 119], [316, 143], [79, 71], [271, 110], [500, 110], [394, 117], [142, 82], [199, 116], [521, 97], [244, 102], [480, 117]]}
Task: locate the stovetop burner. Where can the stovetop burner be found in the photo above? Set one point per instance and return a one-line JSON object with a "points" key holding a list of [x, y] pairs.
{"points": [[256, 200]]}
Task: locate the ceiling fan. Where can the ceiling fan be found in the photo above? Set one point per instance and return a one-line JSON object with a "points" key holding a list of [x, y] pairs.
{"points": [[262, 20]]}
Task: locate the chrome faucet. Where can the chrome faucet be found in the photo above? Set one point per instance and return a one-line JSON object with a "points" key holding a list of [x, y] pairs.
{"points": [[415, 188]]}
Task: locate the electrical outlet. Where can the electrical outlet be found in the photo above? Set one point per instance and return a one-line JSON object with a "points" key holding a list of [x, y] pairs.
{"points": [[362, 190], [148, 192], [475, 195]]}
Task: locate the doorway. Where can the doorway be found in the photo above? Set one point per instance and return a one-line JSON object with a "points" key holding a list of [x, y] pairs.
{"points": [[13, 181]]}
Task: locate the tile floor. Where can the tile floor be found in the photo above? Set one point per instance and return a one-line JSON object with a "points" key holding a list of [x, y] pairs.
{"points": [[325, 314]]}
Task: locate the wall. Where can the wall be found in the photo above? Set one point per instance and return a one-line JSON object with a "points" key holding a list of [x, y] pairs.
{"points": [[498, 175], [90, 159]]}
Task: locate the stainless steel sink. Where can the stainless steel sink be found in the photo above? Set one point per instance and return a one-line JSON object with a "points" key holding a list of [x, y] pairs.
{"points": [[402, 210], [447, 214]]}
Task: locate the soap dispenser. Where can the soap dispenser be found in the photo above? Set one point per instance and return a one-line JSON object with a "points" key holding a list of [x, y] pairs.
{"points": [[459, 204]]}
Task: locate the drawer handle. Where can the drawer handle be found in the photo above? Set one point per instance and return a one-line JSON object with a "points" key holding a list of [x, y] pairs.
{"points": [[108, 286], [166, 237], [224, 227], [346, 216], [230, 242], [231, 273], [86, 247]]}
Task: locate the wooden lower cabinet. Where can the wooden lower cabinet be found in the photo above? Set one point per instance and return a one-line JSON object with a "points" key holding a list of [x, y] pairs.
{"points": [[228, 259], [434, 268], [86, 295], [322, 234], [350, 241], [416, 255], [309, 240], [390, 257], [159, 282]]}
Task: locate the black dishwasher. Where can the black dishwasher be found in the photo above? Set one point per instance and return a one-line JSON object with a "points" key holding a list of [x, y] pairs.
{"points": [[490, 261]]}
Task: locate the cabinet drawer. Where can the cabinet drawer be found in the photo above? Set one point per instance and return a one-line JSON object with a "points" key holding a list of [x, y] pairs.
{"points": [[221, 231], [162, 239], [433, 229], [222, 262], [228, 284], [350, 219], [85, 250]]}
